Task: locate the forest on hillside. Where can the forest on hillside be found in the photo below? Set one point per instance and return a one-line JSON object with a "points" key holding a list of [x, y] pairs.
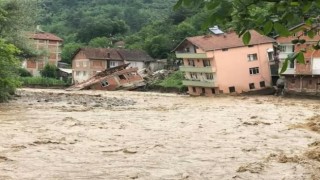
{"points": [[151, 25]]}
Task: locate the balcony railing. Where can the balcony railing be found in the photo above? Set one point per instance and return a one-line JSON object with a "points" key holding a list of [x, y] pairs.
{"points": [[207, 69], [199, 83], [191, 55]]}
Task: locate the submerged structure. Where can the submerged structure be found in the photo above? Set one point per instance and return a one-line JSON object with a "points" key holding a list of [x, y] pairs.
{"points": [[115, 78]]}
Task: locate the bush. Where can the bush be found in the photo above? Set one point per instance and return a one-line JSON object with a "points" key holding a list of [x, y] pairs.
{"points": [[41, 81], [173, 81], [49, 71], [22, 72]]}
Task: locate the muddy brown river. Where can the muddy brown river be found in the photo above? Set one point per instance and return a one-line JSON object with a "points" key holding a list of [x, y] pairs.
{"points": [[60, 135]]}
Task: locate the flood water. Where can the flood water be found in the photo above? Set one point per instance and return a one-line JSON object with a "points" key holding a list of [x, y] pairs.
{"points": [[60, 135]]}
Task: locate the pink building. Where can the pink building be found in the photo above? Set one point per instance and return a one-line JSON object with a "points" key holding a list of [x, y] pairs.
{"points": [[221, 63]]}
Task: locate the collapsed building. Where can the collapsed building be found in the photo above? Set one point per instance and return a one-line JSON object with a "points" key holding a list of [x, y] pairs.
{"points": [[116, 78]]}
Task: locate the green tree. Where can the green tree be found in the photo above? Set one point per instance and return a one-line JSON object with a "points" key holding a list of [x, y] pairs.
{"points": [[16, 17], [68, 51], [49, 71], [8, 71], [100, 42], [158, 46]]}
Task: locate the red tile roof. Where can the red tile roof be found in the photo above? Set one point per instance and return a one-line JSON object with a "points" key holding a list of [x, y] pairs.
{"points": [[227, 40], [134, 55], [45, 36], [100, 53]]}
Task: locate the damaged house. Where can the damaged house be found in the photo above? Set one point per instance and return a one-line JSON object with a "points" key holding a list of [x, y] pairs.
{"points": [[87, 62], [301, 78], [221, 63], [115, 78]]}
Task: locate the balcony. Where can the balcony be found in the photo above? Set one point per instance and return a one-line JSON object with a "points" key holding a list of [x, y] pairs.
{"points": [[200, 83], [191, 55], [207, 69]]}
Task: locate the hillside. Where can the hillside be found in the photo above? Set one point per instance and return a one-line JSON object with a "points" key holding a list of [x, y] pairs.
{"points": [[151, 25]]}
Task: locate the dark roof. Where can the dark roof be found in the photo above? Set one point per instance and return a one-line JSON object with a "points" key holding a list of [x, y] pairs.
{"points": [[134, 55], [100, 53], [227, 40], [45, 36]]}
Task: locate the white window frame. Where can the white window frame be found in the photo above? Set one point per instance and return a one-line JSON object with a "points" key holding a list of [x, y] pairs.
{"points": [[254, 71], [252, 57]]}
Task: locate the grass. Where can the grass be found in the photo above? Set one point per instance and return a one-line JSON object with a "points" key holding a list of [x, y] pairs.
{"points": [[41, 81]]}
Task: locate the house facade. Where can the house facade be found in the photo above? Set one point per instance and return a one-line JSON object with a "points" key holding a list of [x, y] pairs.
{"points": [[87, 62], [301, 78], [136, 58], [221, 63], [49, 47]]}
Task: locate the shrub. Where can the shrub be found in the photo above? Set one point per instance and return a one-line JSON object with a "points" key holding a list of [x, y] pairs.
{"points": [[22, 72], [49, 71], [41, 81]]}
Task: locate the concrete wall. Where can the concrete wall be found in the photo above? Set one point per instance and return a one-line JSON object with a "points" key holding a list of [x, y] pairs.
{"points": [[233, 68], [137, 64], [303, 84]]}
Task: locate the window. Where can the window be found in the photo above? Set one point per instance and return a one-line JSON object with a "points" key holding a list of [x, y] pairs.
{"points": [[262, 84], [85, 64], [206, 63], [112, 64], [291, 65], [251, 86], [84, 73], [310, 82], [232, 89], [190, 62], [209, 76], [254, 70], [225, 49], [283, 48], [203, 91], [104, 83], [77, 64], [122, 77], [193, 75], [77, 73], [293, 81], [194, 89], [213, 91], [42, 41], [252, 57], [270, 56]]}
